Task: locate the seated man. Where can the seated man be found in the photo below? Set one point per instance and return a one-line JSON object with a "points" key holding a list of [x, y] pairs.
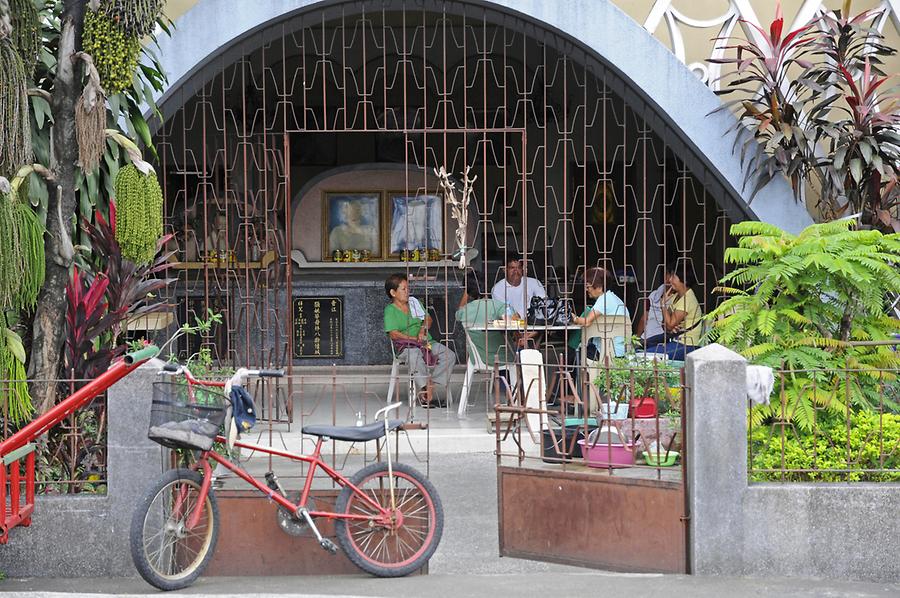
{"points": [[475, 309], [652, 326], [516, 290], [406, 323]]}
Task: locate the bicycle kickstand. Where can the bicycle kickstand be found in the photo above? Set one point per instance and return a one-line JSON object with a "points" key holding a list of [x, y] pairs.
{"points": [[325, 543]]}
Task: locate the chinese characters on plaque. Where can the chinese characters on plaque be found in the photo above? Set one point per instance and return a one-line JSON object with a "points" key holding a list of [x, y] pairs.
{"points": [[318, 327]]}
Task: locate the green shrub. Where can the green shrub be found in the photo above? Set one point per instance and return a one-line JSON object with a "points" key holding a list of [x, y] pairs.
{"points": [[874, 443]]}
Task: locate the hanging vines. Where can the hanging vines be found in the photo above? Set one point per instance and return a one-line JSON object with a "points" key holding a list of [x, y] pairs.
{"points": [[136, 18], [114, 51], [13, 387], [139, 204], [26, 32], [22, 259], [15, 127]]}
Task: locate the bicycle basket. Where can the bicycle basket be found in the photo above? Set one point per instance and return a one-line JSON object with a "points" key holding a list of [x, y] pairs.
{"points": [[186, 416]]}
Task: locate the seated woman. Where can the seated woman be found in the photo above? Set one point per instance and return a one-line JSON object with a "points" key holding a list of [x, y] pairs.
{"points": [[682, 317], [406, 323], [606, 303]]}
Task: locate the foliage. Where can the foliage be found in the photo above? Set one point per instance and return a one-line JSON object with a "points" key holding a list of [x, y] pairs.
{"points": [[13, 388], [809, 99], [135, 17], [139, 214], [22, 260], [25, 34], [15, 134], [101, 306], [114, 51], [87, 318], [872, 443], [797, 302], [132, 287], [627, 378]]}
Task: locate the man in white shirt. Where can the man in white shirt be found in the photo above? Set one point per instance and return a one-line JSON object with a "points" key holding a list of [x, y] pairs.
{"points": [[516, 290]]}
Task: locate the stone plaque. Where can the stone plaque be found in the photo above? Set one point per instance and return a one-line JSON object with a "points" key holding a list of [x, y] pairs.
{"points": [[319, 327]]}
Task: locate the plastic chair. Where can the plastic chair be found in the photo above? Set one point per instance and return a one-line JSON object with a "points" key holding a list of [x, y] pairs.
{"points": [[475, 365], [533, 389], [399, 360], [605, 328]]}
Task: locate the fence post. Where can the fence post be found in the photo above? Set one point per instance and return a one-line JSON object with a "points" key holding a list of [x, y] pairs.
{"points": [[716, 379]]}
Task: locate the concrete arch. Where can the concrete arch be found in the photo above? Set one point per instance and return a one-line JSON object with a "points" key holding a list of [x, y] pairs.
{"points": [[208, 36]]}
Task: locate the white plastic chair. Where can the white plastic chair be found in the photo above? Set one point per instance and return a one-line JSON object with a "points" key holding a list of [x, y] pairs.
{"points": [[476, 365], [399, 360], [411, 395], [533, 389]]}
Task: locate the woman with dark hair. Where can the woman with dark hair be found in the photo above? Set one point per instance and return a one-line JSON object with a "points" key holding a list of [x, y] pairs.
{"points": [[606, 303], [682, 316], [406, 323]]}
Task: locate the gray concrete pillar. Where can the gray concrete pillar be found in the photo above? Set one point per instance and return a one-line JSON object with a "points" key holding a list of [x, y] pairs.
{"points": [[716, 379]]}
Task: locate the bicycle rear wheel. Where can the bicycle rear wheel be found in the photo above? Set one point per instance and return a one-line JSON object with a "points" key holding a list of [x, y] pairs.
{"points": [[167, 554], [401, 545]]}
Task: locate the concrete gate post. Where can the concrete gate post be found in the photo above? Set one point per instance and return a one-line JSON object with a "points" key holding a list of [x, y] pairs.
{"points": [[716, 379]]}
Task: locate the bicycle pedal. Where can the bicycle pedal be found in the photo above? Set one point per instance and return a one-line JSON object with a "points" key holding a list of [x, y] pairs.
{"points": [[328, 545]]}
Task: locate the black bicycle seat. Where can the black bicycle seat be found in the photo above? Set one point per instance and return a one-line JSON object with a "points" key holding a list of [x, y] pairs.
{"points": [[353, 433]]}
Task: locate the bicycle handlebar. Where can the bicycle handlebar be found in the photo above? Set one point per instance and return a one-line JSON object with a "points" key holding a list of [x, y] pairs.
{"points": [[147, 352]]}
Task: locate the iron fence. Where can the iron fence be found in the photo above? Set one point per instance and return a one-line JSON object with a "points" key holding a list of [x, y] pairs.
{"points": [[71, 458], [622, 417], [827, 425]]}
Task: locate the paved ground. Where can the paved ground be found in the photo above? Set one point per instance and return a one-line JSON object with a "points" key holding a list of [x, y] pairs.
{"points": [[466, 564]]}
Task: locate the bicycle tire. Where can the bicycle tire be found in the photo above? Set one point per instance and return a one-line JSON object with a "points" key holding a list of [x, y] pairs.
{"points": [[145, 532], [419, 504]]}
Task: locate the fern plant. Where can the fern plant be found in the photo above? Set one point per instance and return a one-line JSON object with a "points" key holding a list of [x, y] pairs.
{"points": [[801, 303]]}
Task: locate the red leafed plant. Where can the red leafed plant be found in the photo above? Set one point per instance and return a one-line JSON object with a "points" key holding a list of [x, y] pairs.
{"points": [[87, 318], [101, 305], [817, 111]]}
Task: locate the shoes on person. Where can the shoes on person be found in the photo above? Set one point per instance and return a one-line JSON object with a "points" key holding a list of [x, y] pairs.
{"points": [[426, 402]]}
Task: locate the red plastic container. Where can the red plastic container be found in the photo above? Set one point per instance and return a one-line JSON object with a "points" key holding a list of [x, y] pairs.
{"points": [[643, 407]]}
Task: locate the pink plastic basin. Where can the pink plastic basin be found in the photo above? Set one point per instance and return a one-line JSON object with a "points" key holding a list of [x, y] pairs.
{"points": [[607, 455]]}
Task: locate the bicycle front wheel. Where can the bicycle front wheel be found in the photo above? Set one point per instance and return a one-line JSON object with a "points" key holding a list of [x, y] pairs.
{"points": [[402, 543], [165, 552]]}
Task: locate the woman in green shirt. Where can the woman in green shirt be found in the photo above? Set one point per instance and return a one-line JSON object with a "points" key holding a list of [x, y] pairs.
{"points": [[406, 323]]}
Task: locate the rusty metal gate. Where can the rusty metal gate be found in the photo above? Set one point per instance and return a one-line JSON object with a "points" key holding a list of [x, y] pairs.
{"points": [[576, 168]]}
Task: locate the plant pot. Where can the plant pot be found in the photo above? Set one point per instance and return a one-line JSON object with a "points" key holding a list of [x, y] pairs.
{"points": [[562, 443], [643, 407]]}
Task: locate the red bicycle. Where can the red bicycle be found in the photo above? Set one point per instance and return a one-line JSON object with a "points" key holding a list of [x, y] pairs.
{"points": [[388, 516]]}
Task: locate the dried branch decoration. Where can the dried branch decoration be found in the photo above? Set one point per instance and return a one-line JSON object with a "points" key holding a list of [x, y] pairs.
{"points": [[459, 208]]}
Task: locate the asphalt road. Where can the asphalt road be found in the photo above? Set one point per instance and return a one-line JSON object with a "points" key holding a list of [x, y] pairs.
{"points": [[467, 564]]}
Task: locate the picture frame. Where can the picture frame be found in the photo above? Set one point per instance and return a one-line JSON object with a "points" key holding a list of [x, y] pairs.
{"points": [[352, 220], [413, 220]]}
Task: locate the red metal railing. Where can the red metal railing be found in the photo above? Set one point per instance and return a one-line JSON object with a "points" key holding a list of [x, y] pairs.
{"points": [[13, 511]]}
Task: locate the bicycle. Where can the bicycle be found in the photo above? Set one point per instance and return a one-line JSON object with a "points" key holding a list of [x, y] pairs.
{"points": [[388, 516]]}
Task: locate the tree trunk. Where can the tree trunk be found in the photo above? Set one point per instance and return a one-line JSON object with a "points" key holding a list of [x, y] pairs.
{"points": [[50, 314]]}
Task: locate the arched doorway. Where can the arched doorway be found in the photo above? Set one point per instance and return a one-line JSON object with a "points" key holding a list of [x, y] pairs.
{"points": [[576, 167]]}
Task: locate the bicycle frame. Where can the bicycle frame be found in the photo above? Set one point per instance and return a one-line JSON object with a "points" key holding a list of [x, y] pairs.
{"points": [[384, 515]]}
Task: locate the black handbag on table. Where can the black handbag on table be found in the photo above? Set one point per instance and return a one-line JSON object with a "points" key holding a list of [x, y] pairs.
{"points": [[549, 310]]}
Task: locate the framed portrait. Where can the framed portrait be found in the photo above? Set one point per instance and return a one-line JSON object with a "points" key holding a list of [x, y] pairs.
{"points": [[415, 221], [351, 221]]}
